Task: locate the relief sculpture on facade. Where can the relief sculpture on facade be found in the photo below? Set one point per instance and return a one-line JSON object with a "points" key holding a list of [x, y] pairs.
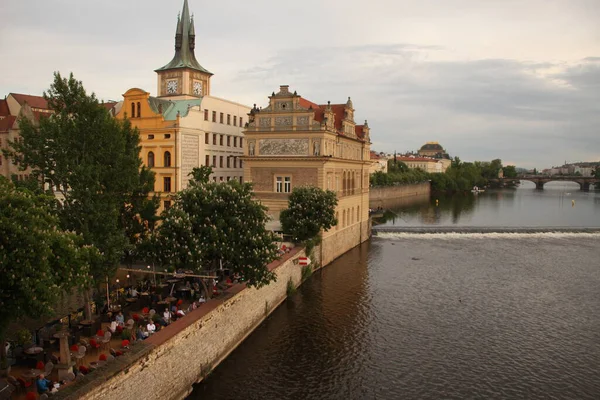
{"points": [[283, 121], [264, 122], [302, 121], [283, 147]]}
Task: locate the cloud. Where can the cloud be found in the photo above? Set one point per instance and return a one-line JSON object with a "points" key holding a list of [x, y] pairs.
{"points": [[537, 113]]}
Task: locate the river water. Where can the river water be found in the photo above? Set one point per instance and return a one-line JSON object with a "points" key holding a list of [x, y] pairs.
{"points": [[446, 315]]}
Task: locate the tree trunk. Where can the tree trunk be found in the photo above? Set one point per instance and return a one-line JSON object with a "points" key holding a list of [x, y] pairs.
{"points": [[87, 309]]}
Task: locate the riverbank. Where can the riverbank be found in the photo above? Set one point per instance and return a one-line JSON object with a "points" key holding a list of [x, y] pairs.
{"points": [[396, 196], [166, 365]]}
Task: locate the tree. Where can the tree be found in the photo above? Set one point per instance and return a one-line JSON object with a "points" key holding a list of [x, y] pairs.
{"points": [[92, 161], [510, 171], [310, 209], [38, 262], [213, 224]]}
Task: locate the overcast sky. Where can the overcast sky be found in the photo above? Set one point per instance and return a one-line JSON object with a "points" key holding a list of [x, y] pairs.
{"points": [[516, 80]]}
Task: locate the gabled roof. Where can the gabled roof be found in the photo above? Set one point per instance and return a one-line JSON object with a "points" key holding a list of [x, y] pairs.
{"points": [[4, 107], [185, 43], [339, 110], [33, 101]]}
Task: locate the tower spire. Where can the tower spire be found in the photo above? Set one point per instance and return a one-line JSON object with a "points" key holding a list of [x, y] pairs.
{"points": [[185, 43]]}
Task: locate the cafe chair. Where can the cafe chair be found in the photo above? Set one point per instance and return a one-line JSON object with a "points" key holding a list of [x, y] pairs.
{"points": [[49, 368], [94, 345], [25, 385], [40, 365], [30, 396], [11, 379], [106, 340], [102, 357], [70, 377], [84, 370]]}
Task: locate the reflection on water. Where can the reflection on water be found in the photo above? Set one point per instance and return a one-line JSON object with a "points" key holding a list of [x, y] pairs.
{"points": [[560, 204], [426, 317]]}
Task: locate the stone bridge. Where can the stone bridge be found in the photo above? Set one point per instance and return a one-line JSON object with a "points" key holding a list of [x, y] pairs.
{"points": [[540, 180]]}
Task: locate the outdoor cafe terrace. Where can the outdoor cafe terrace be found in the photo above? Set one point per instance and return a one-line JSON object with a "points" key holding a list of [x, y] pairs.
{"points": [[74, 350]]}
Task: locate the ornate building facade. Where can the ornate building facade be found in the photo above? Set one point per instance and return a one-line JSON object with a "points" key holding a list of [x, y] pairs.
{"points": [[185, 126], [294, 142]]}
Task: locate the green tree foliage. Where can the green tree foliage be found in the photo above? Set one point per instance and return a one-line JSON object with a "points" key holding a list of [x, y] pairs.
{"points": [[310, 209], [217, 222], [38, 262], [510, 171], [92, 161]]}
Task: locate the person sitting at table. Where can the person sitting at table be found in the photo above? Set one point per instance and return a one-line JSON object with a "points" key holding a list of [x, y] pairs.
{"points": [[133, 292], [113, 326], [151, 328], [201, 299], [167, 316], [180, 313], [120, 319], [43, 385]]}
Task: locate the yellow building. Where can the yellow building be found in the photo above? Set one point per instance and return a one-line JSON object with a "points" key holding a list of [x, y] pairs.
{"points": [[294, 142], [427, 164], [184, 126], [379, 163]]}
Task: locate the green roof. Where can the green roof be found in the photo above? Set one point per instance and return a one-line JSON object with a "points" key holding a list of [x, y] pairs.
{"points": [[170, 108], [185, 43]]}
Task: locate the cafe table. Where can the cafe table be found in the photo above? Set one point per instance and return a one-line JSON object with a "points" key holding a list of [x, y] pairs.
{"points": [[31, 374]]}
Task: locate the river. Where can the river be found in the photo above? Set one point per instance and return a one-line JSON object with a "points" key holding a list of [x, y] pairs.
{"points": [[442, 315]]}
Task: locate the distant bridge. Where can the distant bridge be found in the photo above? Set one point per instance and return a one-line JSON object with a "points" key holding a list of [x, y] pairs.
{"points": [[540, 180]]}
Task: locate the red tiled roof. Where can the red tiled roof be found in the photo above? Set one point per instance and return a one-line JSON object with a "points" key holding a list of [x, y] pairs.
{"points": [[375, 156], [4, 107], [339, 111], [33, 101], [109, 105], [7, 122], [307, 103]]}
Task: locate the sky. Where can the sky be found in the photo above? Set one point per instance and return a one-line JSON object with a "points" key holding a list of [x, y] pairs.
{"points": [[508, 79]]}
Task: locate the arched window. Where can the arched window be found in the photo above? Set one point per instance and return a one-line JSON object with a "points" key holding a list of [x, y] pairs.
{"points": [[139, 109], [150, 159], [167, 159], [132, 110]]}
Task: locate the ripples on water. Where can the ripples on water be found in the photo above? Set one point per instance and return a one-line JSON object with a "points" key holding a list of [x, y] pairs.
{"points": [[505, 316]]}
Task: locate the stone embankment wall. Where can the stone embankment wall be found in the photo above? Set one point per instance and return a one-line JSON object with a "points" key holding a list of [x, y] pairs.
{"points": [[394, 196], [166, 365]]}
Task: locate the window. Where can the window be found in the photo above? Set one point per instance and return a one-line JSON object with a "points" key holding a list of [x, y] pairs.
{"points": [[214, 162], [220, 179], [287, 184], [241, 124], [214, 178], [228, 140], [132, 110], [241, 179], [214, 138], [206, 138], [206, 115], [221, 140], [228, 158], [220, 161], [228, 178], [167, 204], [167, 136], [234, 162], [235, 141], [167, 183], [207, 160], [167, 159], [221, 118], [228, 119], [283, 184], [150, 137], [242, 142], [150, 159], [0, 160], [234, 120], [214, 119], [139, 108], [241, 163]]}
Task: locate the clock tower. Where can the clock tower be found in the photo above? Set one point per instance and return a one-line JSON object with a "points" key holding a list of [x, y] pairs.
{"points": [[184, 77]]}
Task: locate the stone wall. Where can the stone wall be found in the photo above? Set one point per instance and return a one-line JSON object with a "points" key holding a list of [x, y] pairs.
{"points": [[166, 365], [388, 196], [344, 240]]}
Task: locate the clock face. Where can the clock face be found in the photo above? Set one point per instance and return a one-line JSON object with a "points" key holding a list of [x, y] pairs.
{"points": [[172, 86], [198, 88]]}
